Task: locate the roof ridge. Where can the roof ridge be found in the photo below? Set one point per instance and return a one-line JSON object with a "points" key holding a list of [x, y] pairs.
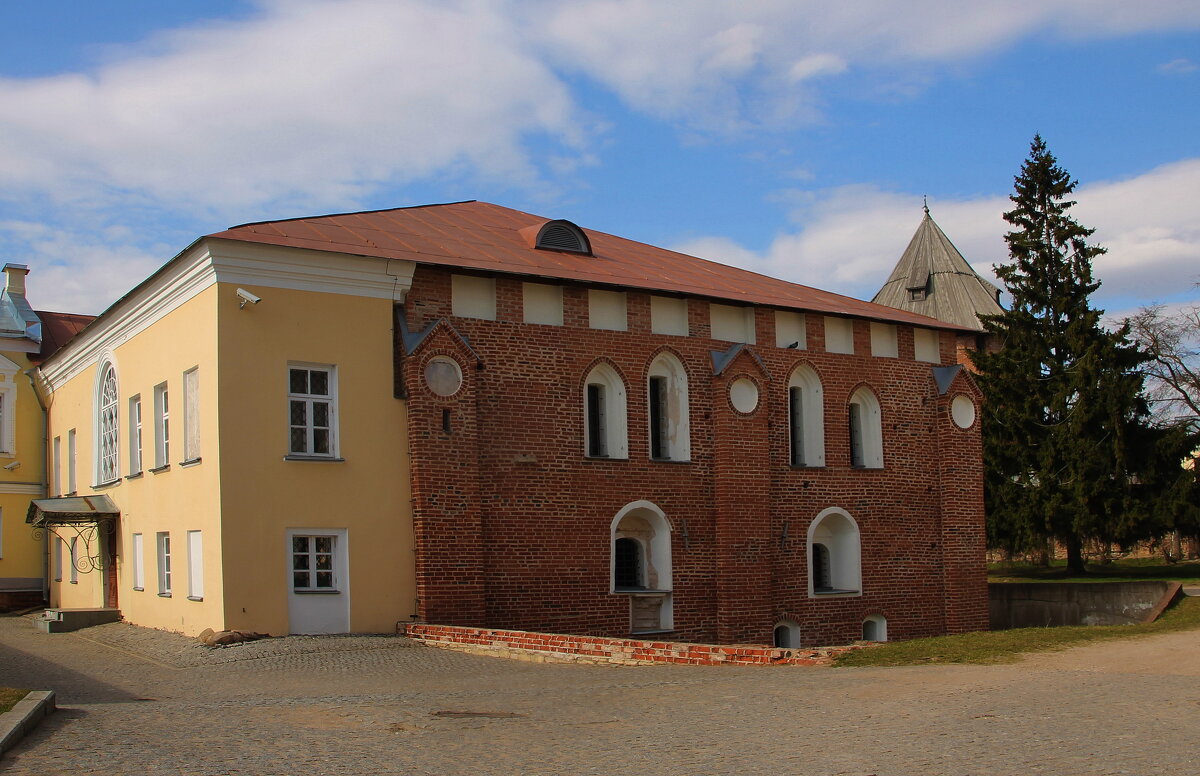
{"points": [[357, 213]]}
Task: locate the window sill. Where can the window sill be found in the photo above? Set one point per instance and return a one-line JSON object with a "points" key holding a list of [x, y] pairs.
{"points": [[639, 591], [189, 462], [835, 593], [164, 595], [670, 460], [162, 468], [140, 589], [73, 582], [317, 592], [867, 468], [318, 458], [603, 458], [108, 484], [803, 467], [72, 494], [134, 476], [195, 598]]}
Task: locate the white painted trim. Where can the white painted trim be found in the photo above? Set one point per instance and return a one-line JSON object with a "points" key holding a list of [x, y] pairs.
{"points": [[23, 488], [839, 556], [227, 261]]}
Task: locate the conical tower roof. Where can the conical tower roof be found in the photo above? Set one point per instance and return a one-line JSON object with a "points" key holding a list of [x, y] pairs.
{"points": [[932, 278]]}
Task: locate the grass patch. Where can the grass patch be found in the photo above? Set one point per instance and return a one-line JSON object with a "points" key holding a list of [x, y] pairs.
{"points": [[1007, 646], [9, 697], [1125, 570]]}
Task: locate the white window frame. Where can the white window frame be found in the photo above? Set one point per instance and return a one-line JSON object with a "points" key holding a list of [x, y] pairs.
{"points": [[162, 427], [135, 434], [56, 465], [310, 400], [8, 406], [312, 566], [191, 415], [614, 424], [139, 562], [866, 436], [72, 449], [195, 553], [839, 532], [107, 424], [73, 556], [807, 430], [674, 412], [162, 541]]}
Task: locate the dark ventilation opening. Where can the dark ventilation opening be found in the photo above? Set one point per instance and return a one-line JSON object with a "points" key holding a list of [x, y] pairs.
{"points": [[822, 575], [563, 236], [658, 418], [597, 444], [796, 410], [446, 421], [627, 562]]}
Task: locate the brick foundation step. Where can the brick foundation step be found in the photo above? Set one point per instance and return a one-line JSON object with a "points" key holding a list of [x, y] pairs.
{"points": [[64, 620]]}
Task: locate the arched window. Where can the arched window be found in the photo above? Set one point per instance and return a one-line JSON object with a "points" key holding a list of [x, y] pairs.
{"points": [[107, 424], [640, 539], [787, 635], [667, 402], [806, 418], [866, 430], [605, 432], [835, 565], [875, 628]]}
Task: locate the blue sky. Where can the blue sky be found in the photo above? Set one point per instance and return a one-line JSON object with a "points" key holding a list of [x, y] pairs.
{"points": [[785, 136]]}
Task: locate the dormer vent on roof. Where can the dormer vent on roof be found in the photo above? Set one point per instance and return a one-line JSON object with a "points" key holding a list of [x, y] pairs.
{"points": [[560, 235]]}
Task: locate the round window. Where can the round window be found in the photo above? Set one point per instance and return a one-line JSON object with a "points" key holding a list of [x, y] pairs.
{"points": [[443, 376], [743, 395], [962, 411]]}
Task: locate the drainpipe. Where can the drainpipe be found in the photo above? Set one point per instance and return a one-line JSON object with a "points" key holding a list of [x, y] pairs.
{"points": [[45, 480]]}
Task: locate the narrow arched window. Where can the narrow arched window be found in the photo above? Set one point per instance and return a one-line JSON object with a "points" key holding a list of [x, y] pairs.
{"points": [[667, 403], [628, 564], [866, 430], [874, 628], [806, 418], [604, 423], [787, 635], [834, 547], [108, 430]]}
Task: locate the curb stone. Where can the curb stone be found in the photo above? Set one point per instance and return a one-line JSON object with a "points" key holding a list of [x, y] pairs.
{"points": [[28, 712]]}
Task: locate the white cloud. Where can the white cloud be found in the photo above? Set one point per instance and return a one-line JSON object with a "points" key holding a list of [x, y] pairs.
{"points": [[852, 236], [1178, 67], [313, 101], [79, 272]]}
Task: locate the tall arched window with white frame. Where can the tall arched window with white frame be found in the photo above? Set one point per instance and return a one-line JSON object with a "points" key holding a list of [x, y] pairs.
{"points": [[806, 418], [605, 427], [866, 430], [667, 403], [107, 426]]}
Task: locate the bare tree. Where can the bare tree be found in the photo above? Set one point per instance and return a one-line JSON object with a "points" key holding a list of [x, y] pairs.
{"points": [[1172, 340]]}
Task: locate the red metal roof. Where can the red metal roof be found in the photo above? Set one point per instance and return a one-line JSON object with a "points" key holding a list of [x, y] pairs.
{"points": [[482, 236], [57, 330]]}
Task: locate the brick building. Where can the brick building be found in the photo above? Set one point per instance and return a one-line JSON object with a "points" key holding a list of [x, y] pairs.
{"points": [[464, 414], [608, 437]]}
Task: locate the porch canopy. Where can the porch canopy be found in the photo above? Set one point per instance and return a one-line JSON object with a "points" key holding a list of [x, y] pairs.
{"points": [[71, 510]]}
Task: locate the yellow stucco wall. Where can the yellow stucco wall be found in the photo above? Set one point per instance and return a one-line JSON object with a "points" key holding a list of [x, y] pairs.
{"points": [[263, 495], [20, 552], [175, 500]]}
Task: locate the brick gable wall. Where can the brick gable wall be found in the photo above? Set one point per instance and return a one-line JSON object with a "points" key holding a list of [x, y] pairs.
{"points": [[513, 521]]}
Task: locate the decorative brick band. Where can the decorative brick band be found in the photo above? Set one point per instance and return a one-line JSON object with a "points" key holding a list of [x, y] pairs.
{"points": [[598, 649]]}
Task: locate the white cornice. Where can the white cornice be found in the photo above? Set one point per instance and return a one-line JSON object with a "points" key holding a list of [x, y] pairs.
{"points": [[211, 261], [304, 270]]}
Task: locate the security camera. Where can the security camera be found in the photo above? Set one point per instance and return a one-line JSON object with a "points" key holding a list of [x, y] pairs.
{"points": [[12, 466], [247, 298]]}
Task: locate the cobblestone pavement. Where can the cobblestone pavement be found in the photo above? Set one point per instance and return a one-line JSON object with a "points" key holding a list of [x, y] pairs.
{"points": [[137, 701]]}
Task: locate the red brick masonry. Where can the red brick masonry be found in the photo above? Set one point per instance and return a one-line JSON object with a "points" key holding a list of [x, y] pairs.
{"points": [[625, 651]]}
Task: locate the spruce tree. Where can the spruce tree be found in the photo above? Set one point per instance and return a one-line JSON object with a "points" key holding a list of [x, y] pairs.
{"points": [[1065, 416]]}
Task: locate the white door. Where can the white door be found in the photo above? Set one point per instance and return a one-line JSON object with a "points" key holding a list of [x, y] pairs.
{"points": [[318, 580]]}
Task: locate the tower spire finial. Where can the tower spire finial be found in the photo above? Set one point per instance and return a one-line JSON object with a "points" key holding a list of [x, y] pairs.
{"points": [[925, 198]]}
